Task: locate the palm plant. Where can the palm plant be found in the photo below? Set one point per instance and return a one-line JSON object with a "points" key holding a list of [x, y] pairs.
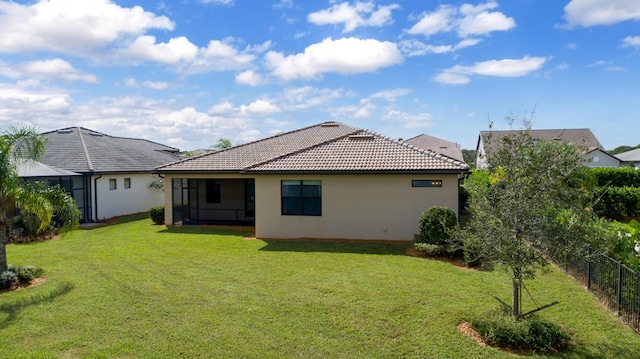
{"points": [[17, 144]]}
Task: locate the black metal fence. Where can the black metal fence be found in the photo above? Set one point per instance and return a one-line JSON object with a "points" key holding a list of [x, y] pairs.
{"points": [[613, 283]]}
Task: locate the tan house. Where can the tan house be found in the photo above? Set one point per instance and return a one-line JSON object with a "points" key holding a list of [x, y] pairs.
{"points": [[328, 181]]}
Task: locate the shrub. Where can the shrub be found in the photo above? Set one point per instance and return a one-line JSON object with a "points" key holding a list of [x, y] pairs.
{"points": [[157, 214], [432, 249], [436, 223], [27, 273], [617, 202], [7, 278], [617, 177], [530, 333]]}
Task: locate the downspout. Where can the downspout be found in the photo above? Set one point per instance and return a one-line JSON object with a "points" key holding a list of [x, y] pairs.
{"points": [[95, 195]]}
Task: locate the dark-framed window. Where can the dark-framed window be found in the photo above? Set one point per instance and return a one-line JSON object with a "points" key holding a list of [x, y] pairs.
{"points": [[113, 183], [426, 183], [213, 190], [301, 198], [127, 182]]}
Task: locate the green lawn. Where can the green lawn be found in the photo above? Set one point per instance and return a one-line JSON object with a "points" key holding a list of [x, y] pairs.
{"points": [[138, 290]]}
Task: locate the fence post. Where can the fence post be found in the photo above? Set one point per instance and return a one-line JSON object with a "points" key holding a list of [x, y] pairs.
{"points": [[589, 267], [619, 288]]}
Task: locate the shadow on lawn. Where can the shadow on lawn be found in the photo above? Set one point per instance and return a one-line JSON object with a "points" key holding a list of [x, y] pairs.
{"points": [[209, 230], [13, 308], [289, 245]]}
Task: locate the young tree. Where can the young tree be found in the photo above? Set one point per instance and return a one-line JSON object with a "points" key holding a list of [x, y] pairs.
{"points": [[222, 144], [527, 205], [19, 144]]}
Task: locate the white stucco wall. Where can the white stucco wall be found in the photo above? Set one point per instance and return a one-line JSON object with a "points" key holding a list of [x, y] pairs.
{"points": [[123, 201], [372, 207]]}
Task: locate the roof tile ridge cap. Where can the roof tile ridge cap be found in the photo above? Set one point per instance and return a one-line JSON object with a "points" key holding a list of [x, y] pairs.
{"points": [[86, 151], [300, 150]]}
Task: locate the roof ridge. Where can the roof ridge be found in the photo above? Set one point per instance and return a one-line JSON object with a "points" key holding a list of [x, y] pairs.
{"points": [[300, 150], [86, 152]]}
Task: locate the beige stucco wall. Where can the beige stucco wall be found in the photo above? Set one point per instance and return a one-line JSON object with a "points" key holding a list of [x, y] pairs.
{"points": [[373, 207]]}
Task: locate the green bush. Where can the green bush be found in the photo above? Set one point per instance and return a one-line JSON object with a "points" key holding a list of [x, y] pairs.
{"points": [[617, 202], [7, 278], [530, 333], [157, 214], [436, 224], [27, 273], [617, 177], [432, 249]]}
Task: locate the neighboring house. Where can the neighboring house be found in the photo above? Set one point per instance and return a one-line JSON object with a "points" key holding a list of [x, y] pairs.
{"points": [[324, 181], [437, 145], [593, 152], [114, 173], [630, 157]]}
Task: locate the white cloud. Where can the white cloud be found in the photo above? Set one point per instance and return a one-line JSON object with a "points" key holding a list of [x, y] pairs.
{"points": [[259, 107], [54, 69], [391, 95], [223, 55], [306, 97], [344, 56], [354, 16], [414, 47], [283, 4], [478, 20], [631, 41], [467, 20], [407, 120], [217, 2], [459, 74], [249, 77], [61, 25], [588, 13], [176, 50], [32, 105]]}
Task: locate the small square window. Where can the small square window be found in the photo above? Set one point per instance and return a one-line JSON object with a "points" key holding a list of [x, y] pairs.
{"points": [[113, 184], [127, 183]]}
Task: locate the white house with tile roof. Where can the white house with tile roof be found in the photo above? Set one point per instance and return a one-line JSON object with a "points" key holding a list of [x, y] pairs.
{"points": [[630, 157], [113, 173], [593, 153], [329, 181]]}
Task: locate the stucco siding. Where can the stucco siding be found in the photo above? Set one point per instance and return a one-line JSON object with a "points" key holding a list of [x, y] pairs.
{"points": [[122, 201], [373, 207]]}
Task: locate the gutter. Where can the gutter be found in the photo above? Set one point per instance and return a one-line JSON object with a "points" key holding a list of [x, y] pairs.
{"points": [[95, 195]]}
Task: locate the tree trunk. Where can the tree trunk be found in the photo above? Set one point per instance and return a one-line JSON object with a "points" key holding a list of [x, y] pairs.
{"points": [[515, 300], [3, 247]]}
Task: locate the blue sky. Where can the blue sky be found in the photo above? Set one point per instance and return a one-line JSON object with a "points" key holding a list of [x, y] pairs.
{"points": [[186, 73]]}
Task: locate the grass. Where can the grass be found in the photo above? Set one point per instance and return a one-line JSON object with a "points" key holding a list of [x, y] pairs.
{"points": [[138, 290]]}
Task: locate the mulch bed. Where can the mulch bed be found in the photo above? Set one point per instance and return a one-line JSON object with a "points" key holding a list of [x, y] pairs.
{"points": [[19, 285]]}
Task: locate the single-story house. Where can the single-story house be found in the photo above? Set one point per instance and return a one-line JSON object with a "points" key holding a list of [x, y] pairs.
{"points": [[630, 157], [593, 153], [437, 145], [330, 181], [112, 174]]}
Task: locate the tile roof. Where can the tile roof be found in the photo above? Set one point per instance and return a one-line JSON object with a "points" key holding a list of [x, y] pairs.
{"points": [[630, 156], [437, 145], [579, 136], [31, 168], [82, 150], [328, 147]]}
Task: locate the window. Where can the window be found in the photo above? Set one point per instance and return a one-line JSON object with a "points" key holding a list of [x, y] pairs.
{"points": [[426, 183], [127, 183], [213, 190], [301, 198], [112, 183]]}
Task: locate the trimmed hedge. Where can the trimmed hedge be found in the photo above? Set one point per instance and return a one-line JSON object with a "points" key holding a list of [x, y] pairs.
{"points": [[617, 202], [617, 177], [436, 224]]}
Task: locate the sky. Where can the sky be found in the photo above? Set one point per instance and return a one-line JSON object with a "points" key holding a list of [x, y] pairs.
{"points": [[187, 73]]}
